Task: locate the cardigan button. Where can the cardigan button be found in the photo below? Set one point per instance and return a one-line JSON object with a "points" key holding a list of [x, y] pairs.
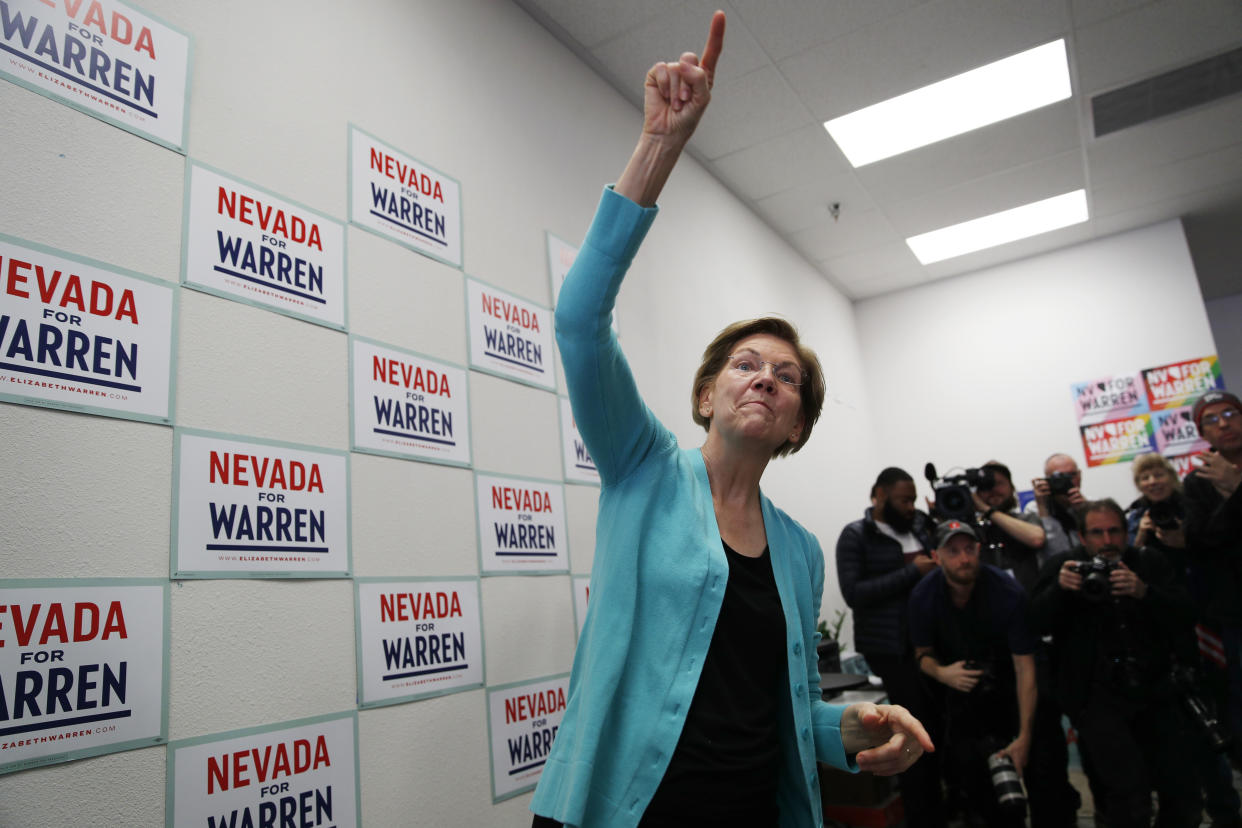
{"points": [[797, 648], [798, 689], [806, 733]]}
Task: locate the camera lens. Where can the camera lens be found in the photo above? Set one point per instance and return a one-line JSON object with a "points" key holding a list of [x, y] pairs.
{"points": [[1005, 783]]}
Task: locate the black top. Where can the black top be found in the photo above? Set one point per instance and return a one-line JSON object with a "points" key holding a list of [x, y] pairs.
{"points": [[725, 765]]}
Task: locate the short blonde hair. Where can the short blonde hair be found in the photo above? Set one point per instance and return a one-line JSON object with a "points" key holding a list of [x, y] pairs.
{"points": [[1147, 462], [716, 355]]}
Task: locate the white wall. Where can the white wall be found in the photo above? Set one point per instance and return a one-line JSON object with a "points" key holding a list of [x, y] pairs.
{"points": [[980, 366], [479, 91], [1225, 314]]}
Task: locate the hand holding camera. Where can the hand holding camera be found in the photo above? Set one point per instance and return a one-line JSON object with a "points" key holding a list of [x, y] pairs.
{"points": [[1101, 578], [1165, 528]]}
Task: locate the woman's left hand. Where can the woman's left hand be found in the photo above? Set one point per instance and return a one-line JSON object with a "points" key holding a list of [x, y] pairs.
{"points": [[886, 738]]}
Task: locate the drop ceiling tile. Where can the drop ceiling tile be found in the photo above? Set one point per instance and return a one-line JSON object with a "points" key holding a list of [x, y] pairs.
{"points": [[1154, 185], [1016, 142], [929, 43], [785, 27], [853, 232], [782, 162], [747, 111], [983, 196], [1152, 39], [875, 263], [801, 207], [891, 283], [592, 23], [1086, 12], [1206, 129]]}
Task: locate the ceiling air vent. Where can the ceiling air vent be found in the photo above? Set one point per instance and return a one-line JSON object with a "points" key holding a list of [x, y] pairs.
{"points": [[1155, 97]]}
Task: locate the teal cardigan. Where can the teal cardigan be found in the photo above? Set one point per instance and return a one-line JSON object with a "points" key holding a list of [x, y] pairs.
{"points": [[659, 578]]}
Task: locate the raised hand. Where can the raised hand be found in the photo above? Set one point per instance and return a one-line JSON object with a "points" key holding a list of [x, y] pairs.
{"points": [[674, 98], [676, 93]]}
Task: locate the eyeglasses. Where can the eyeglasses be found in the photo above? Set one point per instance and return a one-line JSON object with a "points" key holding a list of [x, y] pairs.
{"points": [[747, 363], [1112, 531], [1218, 417]]}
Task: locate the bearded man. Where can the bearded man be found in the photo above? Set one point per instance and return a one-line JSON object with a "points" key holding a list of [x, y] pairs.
{"points": [[879, 560]]}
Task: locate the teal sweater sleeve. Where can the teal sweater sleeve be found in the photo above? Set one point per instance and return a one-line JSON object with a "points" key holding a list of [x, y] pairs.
{"points": [[615, 424]]}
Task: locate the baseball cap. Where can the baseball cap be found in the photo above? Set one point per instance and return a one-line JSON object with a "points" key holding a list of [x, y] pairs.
{"points": [[1211, 398], [950, 528]]}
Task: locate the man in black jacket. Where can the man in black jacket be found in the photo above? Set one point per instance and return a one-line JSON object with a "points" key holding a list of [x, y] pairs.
{"points": [[1115, 614], [1213, 526], [879, 560]]}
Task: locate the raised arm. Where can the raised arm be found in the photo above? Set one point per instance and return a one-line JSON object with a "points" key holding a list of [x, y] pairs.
{"points": [[675, 96], [617, 427]]}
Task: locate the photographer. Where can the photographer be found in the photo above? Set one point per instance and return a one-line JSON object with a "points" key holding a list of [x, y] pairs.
{"points": [[1010, 540], [1214, 532], [1156, 520], [968, 627], [1015, 542], [1115, 614], [1057, 498]]}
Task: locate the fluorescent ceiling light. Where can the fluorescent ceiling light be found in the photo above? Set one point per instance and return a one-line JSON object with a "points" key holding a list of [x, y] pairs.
{"points": [[1000, 90], [1000, 228]]}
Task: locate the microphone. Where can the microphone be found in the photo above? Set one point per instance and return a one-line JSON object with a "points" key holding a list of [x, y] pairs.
{"points": [[929, 471]]}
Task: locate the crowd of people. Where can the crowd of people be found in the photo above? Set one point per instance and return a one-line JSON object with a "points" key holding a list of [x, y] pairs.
{"points": [[990, 624]]}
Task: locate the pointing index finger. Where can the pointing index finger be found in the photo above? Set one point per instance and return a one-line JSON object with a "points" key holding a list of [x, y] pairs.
{"points": [[715, 43]]}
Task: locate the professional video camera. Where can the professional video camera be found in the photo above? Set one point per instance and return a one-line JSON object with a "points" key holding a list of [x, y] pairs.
{"points": [[953, 493], [1096, 585]]}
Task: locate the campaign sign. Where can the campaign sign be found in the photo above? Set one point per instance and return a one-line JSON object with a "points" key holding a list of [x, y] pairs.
{"points": [[408, 406], [522, 720], [245, 244], [299, 773], [83, 669], [582, 594], [1109, 398], [1181, 383], [1176, 433], [403, 199], [509, 337], [1117, 440], [247, 508], [417, 638], [1183, 464], [579, 467], [561, 255], [103, 57], [521, 525], [82, 335]]}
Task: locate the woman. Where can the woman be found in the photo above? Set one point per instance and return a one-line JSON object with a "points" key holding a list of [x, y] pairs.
{"points": [[694, 696], [1155, 518]]}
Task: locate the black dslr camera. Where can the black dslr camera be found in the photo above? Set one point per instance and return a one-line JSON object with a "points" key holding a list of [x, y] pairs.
{"points": [[1060, 483], [953, 494], [1164, 514], [1095, 573]]}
